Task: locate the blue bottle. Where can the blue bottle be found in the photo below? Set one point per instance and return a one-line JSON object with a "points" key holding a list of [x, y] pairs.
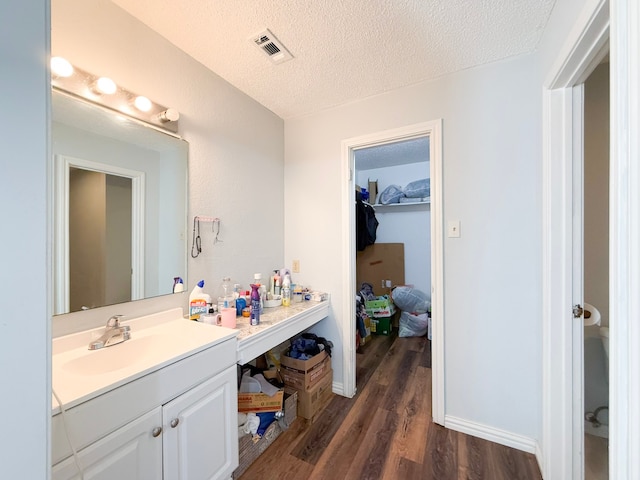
{"points": [[241, 303]]}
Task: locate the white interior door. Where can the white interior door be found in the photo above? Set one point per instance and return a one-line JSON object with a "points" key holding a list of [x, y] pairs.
{"points": [[577, 282], [562, 401]]}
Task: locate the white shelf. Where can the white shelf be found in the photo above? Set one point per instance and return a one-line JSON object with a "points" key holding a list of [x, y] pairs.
{"points": [[399, 205]]}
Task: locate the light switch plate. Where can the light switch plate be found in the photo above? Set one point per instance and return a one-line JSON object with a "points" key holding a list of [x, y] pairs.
{"points": [[453, 229]]}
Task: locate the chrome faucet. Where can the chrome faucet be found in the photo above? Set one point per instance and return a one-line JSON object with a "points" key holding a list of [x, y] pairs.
{"points": [[114, 333]]}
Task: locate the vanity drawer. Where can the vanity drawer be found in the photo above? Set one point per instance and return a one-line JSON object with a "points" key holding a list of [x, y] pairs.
{"points": [[101, 415]]}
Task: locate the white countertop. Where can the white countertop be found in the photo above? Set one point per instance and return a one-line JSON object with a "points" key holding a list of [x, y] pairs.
{"points": [[276, 326], [161, 339], [156, 341]]}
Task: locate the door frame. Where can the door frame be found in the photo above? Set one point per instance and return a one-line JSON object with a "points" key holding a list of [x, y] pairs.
{"points": [[624, 270], [562, 446], [62, 165], [432, 129]]}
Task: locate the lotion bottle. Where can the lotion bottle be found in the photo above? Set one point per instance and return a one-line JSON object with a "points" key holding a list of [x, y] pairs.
{"points": [[286, 291]]}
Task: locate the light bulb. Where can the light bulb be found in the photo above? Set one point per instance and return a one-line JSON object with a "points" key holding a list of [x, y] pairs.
{"points": [[106, 85], [169, 115], [61, 67], [142, 103]]}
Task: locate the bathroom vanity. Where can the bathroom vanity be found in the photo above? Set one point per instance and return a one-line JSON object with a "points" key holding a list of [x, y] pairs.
{"points": [[164, 403], [161, 405]]}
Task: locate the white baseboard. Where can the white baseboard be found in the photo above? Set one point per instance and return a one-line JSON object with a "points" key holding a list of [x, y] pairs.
{"points": [[338, 388], [492, 434], [539, 458]]}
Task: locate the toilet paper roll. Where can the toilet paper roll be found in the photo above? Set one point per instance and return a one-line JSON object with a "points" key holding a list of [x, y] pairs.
{"points": [[591, 315]]}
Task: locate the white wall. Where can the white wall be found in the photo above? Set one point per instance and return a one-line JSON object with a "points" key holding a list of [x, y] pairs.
{"points": [[409, 224], [236, 145], [24, 252], [491, 131]]}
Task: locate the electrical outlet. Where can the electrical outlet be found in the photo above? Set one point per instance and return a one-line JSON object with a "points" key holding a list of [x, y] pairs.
{"points": [[296, 266]]}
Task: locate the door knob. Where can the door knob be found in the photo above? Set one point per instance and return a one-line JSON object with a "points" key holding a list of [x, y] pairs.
{"points": [[577, 311], [174, 423], [156, 431]]}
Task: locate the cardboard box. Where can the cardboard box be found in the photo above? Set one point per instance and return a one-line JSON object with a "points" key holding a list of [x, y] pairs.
{"points": [[373, 191], [302, 365], [381, 326], [381, 307], [380, 264], [260, 402], [304, 374], [249, 450], [311, 401]]}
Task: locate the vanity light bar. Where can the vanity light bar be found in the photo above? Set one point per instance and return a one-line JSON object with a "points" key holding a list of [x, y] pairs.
{"points": [[105, 92]]}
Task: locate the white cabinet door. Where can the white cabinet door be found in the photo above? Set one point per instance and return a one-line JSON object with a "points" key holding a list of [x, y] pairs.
{"points": [[201, 432], [130, 453]]}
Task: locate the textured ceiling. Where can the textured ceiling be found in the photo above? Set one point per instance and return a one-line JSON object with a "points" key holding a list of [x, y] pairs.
{"points": [[343, 49], [399, 153]]}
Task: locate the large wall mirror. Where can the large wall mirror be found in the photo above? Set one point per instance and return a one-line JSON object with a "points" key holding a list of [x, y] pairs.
{"points": [[120, 209]]}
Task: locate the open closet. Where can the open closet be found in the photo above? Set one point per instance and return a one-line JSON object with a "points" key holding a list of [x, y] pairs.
{"points": [[401, 253]]}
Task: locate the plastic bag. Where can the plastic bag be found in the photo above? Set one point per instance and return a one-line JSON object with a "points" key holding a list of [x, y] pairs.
{"points": [[410, 299], [413, 325], [391, 194], [418, 188]]}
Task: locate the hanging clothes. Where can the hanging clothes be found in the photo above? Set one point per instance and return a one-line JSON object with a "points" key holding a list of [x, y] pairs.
{"points": [[366, 225]]}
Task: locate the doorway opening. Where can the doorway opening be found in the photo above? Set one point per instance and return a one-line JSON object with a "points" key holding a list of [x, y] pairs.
{"points": [[100, 221], [596, 272], [432, 131], [99, 224]]}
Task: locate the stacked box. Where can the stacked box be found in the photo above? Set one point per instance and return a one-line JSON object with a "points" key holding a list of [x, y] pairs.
{"points": [[304, 374], [311, 401], [381, 326], [261, 402], [382, 307], [249, 450]]}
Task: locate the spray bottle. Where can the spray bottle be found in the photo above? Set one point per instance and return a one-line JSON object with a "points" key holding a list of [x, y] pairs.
{"points": [[255, 305]]}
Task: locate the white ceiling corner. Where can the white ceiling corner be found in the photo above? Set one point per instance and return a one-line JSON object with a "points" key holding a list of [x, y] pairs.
{"points": [[343, 50]]}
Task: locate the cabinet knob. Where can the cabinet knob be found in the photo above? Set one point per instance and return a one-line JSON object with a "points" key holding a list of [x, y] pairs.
{"points": [[174, 423], [156, 431]]}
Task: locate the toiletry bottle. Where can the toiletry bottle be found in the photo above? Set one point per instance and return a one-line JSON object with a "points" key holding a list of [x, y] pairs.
{"points": [[178, 285], [255, 304], [198, 301], [241, 303], [226, 300], [276, 283], [286, 291], [257, 280], [263, 296]]}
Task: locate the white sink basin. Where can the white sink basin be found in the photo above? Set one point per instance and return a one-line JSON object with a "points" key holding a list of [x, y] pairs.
{"points": [[158, 340], [115, 357]]}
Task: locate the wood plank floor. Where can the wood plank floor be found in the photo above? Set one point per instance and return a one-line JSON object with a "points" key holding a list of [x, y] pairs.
{"points": [[385, 431]]}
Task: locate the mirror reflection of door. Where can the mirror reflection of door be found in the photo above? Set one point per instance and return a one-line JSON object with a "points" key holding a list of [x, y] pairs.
{"points": [[100, 220]]}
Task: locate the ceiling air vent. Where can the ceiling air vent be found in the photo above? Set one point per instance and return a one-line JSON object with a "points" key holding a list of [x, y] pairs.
{"points": [[269, 44]]}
